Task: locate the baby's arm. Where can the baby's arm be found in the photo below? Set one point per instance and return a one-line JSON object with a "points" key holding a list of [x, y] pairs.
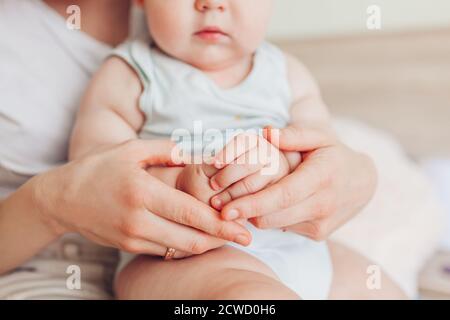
{"points": [[109, 111], [308, 108], [109, 114]]}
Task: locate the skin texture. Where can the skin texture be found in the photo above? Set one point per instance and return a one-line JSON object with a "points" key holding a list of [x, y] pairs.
{"points": [[75, 197], [228, 59], [229, 274], [32, 216], [112, 100], [26, 226]]}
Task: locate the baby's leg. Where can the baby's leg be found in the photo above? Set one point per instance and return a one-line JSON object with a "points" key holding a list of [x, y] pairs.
{"points": [[224, 274], [350, 277]]}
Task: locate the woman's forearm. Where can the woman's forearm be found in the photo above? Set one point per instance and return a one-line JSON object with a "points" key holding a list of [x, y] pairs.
{"points": [[23, 230]]}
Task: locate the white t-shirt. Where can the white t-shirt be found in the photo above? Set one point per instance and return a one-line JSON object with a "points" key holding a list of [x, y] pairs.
{"points": [[44, 70]]}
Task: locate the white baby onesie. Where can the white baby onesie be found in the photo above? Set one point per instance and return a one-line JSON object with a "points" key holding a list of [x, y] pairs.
{"points": [[179, 97]]}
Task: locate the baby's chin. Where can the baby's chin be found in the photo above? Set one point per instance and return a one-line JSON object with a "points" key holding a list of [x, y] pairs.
{"points": [[213, 61], [210, 64]]}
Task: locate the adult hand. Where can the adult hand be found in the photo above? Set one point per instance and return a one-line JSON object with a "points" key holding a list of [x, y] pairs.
{"points": [[109, 198], [328, 188]]}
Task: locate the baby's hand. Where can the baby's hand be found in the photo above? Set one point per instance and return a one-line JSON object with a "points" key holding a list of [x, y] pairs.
{"points": [[194, 180], [248, 164]]}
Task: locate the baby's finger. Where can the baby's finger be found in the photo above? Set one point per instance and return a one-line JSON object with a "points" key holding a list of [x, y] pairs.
{"points": [[239, 145], [248, 185], [244, 166]]}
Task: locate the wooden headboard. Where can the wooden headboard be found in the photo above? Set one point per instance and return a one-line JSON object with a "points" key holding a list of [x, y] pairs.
{"points": [[398, 82]]}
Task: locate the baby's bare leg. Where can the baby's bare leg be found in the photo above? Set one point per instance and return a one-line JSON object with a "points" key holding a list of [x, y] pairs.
{"points": [[225, 273], [350, 277]]}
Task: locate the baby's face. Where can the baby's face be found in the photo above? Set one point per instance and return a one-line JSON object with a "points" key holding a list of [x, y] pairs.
{"points": [[208, 34]]}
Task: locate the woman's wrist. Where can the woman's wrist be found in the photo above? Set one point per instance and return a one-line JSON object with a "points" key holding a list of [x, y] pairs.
{"points": [[42, 198], [24, 231]]}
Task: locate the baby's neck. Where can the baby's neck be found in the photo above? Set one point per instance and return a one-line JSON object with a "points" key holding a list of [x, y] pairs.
{"points": [[233, 74]]}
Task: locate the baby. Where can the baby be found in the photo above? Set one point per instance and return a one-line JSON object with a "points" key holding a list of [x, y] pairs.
{"points": [[209, 65]]}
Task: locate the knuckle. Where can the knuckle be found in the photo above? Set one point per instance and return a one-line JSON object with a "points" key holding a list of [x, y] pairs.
{"points": [[187, 216], [318, 210], [220, 180], [287, 197], [330, 205], [326, 175], [261, 223], [229, 194], [131, 194], [197, 245], [129, 245], [129, 228], [248, 186], [221, 231], [255, 206], [317, 231]]}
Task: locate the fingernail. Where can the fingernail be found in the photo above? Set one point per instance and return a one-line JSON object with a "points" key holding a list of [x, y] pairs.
{"points": [[218, 164], [217, 203], [209, 161], [232, 214], [214, 185], [242, 239]]}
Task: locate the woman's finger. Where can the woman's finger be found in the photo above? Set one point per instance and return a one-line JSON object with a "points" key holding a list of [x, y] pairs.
{"points": [[139, 246], [239, 145], [184, 209], [317, 230], [304, 139], [306, 180], [246, 165], [155, 229], [249, 185], [315, 207]]}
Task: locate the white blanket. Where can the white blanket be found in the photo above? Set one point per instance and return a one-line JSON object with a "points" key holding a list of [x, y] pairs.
{"points": [[439, 172], [402, 225]]}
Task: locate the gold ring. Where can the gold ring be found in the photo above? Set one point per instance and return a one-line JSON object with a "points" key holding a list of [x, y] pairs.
{"points": [[170, 253]]}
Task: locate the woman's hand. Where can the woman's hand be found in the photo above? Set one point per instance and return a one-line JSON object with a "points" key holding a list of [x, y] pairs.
{"points": [[328, 188], [109, 198], [248, 164]]}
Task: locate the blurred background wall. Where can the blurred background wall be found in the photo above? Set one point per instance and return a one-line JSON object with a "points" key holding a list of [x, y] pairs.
{"points": [[309, 18], [396, 79]]}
